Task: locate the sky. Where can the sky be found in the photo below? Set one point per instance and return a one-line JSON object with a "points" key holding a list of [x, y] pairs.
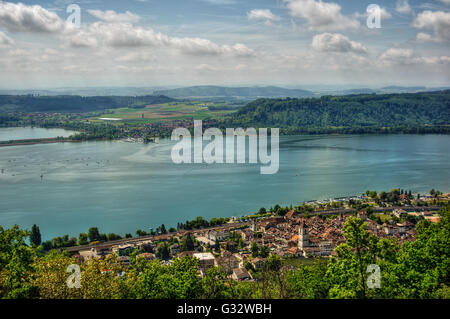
{"points": [[296, 43]]}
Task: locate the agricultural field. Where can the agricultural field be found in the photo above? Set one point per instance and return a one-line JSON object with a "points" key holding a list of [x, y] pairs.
{"points": [[165, 112]]}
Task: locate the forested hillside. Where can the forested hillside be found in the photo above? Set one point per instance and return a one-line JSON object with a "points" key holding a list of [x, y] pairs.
{"points": [[73, 103], [358, 112]]}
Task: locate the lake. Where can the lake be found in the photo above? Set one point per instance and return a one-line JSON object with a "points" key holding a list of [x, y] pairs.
{"points": [[121, 187], [22, 133]]}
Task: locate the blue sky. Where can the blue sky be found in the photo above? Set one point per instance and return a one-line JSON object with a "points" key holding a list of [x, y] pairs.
{"points": [[224, 42]]}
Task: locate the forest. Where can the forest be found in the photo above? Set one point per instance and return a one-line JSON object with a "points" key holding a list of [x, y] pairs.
{"points": [[74, 103], [366, 113]]}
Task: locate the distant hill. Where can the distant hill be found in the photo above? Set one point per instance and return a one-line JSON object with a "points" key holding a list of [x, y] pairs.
{"points": [[243, 92], [75, 104], [358, 91], [353, 111]]}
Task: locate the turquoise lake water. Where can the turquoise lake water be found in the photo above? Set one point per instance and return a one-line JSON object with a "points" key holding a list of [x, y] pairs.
{"points": [[22, 133], [121, 187]]}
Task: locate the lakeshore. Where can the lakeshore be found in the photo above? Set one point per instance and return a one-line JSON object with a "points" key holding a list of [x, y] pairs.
{"points": [[36, 141]]}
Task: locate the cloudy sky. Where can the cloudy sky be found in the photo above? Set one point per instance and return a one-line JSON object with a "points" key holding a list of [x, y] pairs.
{"points": [[223, 42]]}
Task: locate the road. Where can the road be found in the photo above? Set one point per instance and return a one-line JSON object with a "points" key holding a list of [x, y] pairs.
{"points": [[151, 237]]}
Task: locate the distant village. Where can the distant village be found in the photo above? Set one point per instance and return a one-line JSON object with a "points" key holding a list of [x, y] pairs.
{"points": [[242, 246]]}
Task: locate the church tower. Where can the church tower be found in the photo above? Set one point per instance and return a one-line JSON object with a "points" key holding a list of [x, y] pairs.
{"points": [[303, 240]]}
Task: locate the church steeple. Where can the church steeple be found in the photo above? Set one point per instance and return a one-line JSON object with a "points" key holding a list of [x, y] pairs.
{"points": [[303, 240]]}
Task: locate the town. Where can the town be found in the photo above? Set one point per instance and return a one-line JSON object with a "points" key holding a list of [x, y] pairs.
{"points": [[241, 246]]}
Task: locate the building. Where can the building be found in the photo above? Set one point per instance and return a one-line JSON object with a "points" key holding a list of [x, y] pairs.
{"points": [[258, 263], [207, 260], [147, 256], [290, 215], [227, 263], [95, 252], [399, 213], [174, 249], [303, 239], [122, 248], [363, 215], [388, 230], [215, 235], [241, 274]]}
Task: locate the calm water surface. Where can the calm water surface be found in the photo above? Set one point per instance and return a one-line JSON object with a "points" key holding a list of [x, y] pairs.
{"points": [[22, 133], [121, 187]]}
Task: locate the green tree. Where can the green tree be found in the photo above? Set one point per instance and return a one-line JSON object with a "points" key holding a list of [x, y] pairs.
{"points": [[35, 236], [83, 239], [150, 280], [217, 246], [347, 272], [254, 249], [93, 234], [16, 268], [215, 284], [309, 281], [187, 244], [140, 233], [112, 236], [162, 251], [264, 251]]}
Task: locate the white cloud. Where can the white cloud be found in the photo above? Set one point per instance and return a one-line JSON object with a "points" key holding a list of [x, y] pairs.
{"points": [[117, 52], [397, 55], [425, 37], [220, 2], [438, 21], [136, 57], [447, 2], [22, 18], [126, 35], [321, 16], [5, 40], [262, 14], [206, 67], [328, 42], [402, 6], [112, 16]]}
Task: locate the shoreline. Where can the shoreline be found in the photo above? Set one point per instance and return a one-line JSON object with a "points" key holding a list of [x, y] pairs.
{"points": [[49, 140], [53, 140]]}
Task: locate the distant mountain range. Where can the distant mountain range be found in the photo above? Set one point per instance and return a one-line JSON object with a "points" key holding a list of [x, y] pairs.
{"points": [[222, 93], [388, 90], [234, 92]]}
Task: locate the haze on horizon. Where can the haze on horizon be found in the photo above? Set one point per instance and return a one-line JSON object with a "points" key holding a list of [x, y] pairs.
{"points": [[150, 43]]}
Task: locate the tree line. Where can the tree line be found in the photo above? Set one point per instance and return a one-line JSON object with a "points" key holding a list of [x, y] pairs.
{"points": [[75, 103]]}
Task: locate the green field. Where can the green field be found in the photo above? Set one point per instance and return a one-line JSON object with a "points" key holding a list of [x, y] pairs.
{"points": [[165, 112]]}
